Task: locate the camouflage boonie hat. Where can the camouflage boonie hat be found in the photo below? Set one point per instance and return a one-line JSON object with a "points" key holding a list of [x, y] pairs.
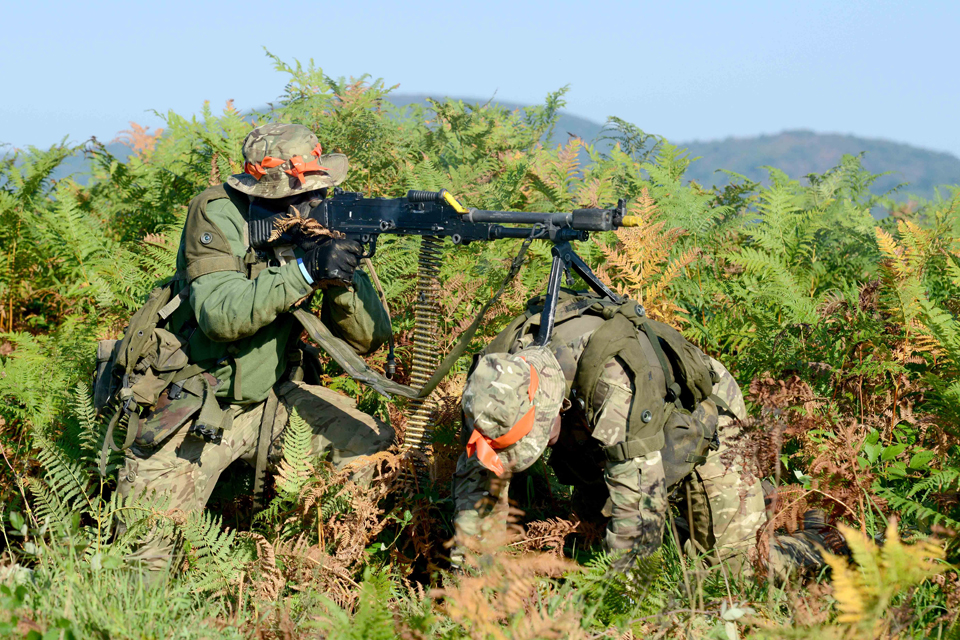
{"points": [[510, 404], [286, 159]]}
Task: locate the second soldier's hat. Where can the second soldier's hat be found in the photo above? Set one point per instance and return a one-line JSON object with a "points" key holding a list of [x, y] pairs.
{"points": [[509, 406]]}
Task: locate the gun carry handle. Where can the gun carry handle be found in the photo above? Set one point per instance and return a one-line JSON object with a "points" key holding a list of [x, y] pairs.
{"points": [[437, 196]]}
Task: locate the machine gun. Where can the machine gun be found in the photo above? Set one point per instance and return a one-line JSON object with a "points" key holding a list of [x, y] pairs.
{"points": [[435, 216], [439, 214]]}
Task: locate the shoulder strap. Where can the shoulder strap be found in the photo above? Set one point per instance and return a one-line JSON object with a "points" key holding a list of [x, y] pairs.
{"points": [[203, 246], [673, 389], [693, 373], [615, 338], [571, 305], [506, 338]]}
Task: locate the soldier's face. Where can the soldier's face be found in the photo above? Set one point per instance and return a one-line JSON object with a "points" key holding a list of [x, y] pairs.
{"points": [[298, 200], [554, 432]]}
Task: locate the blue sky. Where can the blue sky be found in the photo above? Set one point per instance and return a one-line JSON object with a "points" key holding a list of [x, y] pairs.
{"points": [[686, 70]]}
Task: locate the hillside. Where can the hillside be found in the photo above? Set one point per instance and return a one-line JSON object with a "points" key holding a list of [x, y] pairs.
{"points": [[800, 152], [797, 152]]}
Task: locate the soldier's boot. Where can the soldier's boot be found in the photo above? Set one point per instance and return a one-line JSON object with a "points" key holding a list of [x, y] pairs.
{"points": [[819, 531], [799, 554]]}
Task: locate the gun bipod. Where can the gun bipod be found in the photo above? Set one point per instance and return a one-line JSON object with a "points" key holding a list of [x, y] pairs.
{"points": [[565, 259]]}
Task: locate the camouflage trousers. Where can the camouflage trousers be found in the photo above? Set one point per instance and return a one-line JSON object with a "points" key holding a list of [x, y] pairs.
{"points": [[723, 511], [183, 471]]}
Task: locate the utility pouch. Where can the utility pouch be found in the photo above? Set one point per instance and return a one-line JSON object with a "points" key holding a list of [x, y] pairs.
{"points": [[196, 395], [687, 437], [104, 383]]}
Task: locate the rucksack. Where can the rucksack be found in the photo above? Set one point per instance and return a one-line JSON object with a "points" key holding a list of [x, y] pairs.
{"points": [[689, 413]]}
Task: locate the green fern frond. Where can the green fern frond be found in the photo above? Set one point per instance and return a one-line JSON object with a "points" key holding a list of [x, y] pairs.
{"points": [[210, 551], [909, 508]]}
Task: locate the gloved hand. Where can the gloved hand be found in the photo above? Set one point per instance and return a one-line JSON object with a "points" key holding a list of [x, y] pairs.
{"points": [[332, 262], [263, 228], [263, 232]]}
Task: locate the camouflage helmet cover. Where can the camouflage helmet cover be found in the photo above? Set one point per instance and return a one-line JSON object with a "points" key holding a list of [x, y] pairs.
{"points": [[510, 404], [285, 159]]}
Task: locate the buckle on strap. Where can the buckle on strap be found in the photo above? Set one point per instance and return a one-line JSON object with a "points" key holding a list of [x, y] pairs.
{"points": [[623, 451]]}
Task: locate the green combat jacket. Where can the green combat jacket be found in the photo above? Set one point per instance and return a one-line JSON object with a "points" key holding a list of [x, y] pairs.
{"points": [[238, 318]]}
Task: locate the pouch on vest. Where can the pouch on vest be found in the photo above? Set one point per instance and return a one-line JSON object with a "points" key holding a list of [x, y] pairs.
{"points": [[197, 395], [149, 375], [687, 437], [692, 372]]}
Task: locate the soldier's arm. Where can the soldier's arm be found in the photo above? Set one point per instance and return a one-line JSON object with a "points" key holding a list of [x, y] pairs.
{"points": [[474, 499], [356, 314], [637, 504], [229, 306]]}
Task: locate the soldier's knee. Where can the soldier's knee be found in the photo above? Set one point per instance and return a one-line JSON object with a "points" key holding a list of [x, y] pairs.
{"points": [[380, 437]]}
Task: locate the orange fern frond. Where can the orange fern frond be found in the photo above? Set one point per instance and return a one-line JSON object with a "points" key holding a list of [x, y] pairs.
{"points": [[139, 138]]}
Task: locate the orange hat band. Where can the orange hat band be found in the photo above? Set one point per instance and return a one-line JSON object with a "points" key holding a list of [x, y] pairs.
{"points": [[298, 166], [486, 447]]}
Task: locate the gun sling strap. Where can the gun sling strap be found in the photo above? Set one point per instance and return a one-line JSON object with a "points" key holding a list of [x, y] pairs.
{"points": [[359, 370]]}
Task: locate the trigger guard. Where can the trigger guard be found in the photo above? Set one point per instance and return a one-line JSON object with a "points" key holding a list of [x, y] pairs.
{"points": [[369, 248]]}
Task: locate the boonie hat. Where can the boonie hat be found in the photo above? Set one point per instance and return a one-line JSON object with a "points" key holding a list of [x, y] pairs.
{"points": [[510, 404], [285, 159]]}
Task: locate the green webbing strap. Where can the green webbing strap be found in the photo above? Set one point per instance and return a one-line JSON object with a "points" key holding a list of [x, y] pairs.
{"points": [[211, 415], [237, 380], [614, 338], [720, 402], [129, 407], [506, 338], [108, 438], [623, 451], [359, 370], [644, 325], [264, 438]]}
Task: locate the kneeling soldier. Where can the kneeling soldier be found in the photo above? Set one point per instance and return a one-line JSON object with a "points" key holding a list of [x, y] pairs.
{"points": [[637, 417], [213, 379]]}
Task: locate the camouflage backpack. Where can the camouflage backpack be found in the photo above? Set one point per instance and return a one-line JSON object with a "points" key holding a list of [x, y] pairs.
{"points": [[688, 412], [147, 377]]}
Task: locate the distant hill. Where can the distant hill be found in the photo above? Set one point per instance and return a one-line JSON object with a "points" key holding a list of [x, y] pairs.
{"points": [[567, 124], [797, 153]]}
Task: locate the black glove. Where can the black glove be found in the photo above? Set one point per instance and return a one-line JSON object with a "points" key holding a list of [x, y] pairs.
{"points": [[332, 262], [262, 229], [265, 215]]}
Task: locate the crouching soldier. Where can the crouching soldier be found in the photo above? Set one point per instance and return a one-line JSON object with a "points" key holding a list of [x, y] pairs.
{"points": [[210, 368], [637, 417]]}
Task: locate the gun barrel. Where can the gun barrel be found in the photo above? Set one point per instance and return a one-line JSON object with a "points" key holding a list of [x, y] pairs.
{"points": [[519, 217]]}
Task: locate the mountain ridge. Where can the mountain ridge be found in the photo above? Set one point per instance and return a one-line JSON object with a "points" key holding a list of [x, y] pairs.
{"points": [[797, 152]]}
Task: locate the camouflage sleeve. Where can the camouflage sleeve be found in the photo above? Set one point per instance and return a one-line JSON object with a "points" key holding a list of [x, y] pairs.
{"points": [[474, 499], [729, 391], [638, 502], [356, 314]]}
